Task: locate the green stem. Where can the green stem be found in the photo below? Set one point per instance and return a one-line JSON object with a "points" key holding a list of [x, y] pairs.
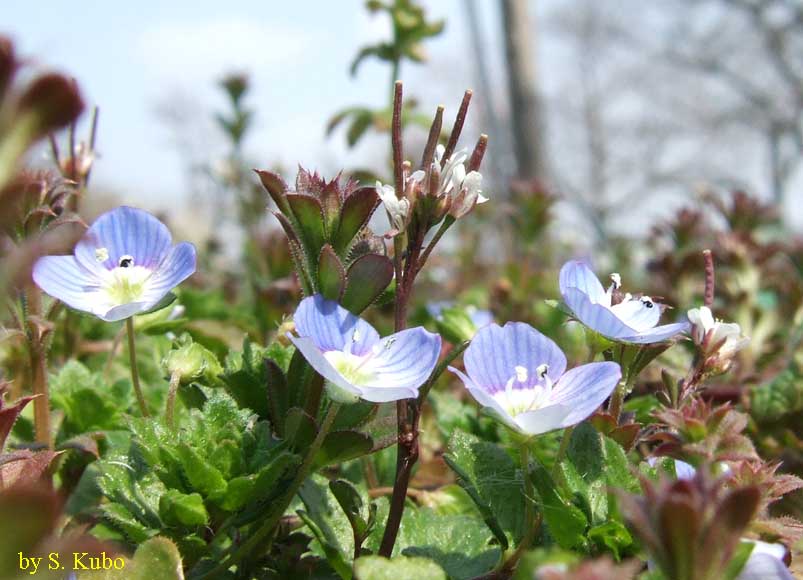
{"points": [[531, 522], [281, 505], [617, 401], [564, 446], [175, 382], [132, 353]]}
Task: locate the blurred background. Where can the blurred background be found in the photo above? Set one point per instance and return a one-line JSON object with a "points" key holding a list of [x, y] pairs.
{"points": [[624, 110]]}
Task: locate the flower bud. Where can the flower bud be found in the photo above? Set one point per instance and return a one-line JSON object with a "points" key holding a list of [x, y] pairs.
{"points": [[718, 341]]}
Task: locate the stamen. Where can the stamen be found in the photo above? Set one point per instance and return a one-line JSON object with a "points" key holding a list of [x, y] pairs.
{"points": [[126, 261], [616, 279], [647, 302], [101, 254], [542, 371], [521, 374]]}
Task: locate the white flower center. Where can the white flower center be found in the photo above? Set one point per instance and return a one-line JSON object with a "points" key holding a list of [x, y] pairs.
{"points": [[355, 369], [522, 399], [126, 283]]}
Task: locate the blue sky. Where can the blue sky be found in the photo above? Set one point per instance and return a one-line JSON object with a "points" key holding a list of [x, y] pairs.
{"points": [[131, 57]]}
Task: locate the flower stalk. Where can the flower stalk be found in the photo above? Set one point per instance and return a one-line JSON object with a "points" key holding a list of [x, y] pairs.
{"points": [[132, 354], [172, 391]]}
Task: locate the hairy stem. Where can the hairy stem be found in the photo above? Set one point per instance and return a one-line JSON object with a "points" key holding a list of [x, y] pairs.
{"points": [[38, 359], [132, 353], [175, 382]]}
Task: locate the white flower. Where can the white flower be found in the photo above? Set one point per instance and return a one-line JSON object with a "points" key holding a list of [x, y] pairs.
{"points": [[722, 338], [465, 188], [398, 209]]}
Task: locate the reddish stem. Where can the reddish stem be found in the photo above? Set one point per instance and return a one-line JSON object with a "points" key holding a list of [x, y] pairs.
{"points": [[708, 298]]}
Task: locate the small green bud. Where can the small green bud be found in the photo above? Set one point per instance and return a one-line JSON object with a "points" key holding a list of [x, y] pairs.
{"points": [[455, 325], [191, 362]]}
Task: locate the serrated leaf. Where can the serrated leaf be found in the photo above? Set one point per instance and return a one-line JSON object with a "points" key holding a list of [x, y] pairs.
{"points": [[156, 558], [204, 477], [176, 508], [489, 476], [331, 274], [367, 277]]}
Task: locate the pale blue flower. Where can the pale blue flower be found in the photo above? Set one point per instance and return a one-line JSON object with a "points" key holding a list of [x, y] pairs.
{"points": [[519, 376], [633, 319], [125, 264], [358, 364]]}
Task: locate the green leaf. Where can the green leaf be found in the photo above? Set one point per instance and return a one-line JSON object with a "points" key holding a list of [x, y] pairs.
{"points": [[309, 214], [177, 508], [367, 277], [331, 274], [156, 558], [357, 210], [379, 568], [460, 544], [341, 446], [487, 473], [327, 521], [566, 522], [333, 555], [203, 477], [355, 415], [613, 536], [299, 428], [350, 500], [360, 123]]}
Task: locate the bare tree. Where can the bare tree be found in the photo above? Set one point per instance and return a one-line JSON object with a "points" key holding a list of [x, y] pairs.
{"points": [[525, 111]]}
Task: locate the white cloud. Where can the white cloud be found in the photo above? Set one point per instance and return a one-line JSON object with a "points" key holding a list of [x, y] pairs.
{"points": [[206, 49]]}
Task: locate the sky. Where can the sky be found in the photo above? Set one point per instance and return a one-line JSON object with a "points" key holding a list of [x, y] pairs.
{"points": [[130, 58]]}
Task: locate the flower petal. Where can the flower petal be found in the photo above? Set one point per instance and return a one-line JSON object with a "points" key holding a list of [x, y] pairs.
{"points": [[583, 389], [657, 334], [495, 352], [120, 232], [331, 326], [485, 400], [62, 277], [577, 274], [405, 361], [124, 311], [315, 358], [765, 564], [543, 420], [637, 314], [596, 316], [177, 266]]}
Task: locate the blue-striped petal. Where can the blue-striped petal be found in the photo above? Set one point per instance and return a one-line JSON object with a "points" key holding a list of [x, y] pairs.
{"points": [[485, 399], [62, 277], [332, 327], [403, 361], [315, 358], [495, 352], [177, 266], [583, 389], [596, 316], [577, 274], [124, 231]]}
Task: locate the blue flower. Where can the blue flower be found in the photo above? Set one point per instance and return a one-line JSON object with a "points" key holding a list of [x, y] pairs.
{"points": [[617, 316], [519, 375], [124, 265], [355, 361]]}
